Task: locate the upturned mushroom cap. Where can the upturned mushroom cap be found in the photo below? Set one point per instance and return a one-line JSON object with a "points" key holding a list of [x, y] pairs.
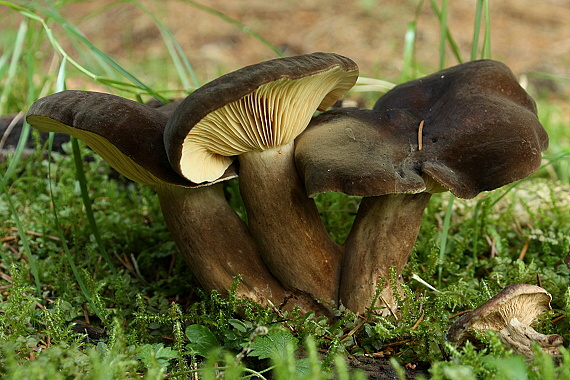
{"points": [[255, 108], [469, 128], [522, 301], [510, 314], [127, 134]]}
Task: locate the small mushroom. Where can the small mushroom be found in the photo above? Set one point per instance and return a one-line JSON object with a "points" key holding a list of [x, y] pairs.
{"points": [[129, 136], [466, 129], [510, 314], [256, 113]]}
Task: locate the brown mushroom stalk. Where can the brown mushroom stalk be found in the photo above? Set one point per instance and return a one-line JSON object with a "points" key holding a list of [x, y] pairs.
{"points": [[292, 236], [372, 250], [215, 242], [364, 153], [256, 113], [510, 314], [477, 129], [211, 237]]}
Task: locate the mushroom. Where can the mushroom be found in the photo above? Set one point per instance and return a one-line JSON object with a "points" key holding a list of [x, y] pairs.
{"points": [[256, 113], [212, 238], [466, 129], [510, 314]]}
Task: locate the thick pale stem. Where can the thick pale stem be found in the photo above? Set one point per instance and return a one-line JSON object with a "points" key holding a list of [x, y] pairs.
{"points": [[382, 237], [286, 224], [216, 243], [520, 338]]}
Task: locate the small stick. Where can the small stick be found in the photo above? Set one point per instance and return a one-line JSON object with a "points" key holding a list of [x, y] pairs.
{"points": [[389, 308], [420, 137], [558, 319], [419, 321], [524, 249], [460, 313], [354, 329]]}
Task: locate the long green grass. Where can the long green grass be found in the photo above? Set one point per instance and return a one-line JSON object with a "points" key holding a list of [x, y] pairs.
{"points": [[80, 242]]}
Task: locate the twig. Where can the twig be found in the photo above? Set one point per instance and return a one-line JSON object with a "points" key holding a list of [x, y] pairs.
{"points": [[389, 308], [354, 329], [524, 249], [278, 311], [36, 234], [558, 319], [460, 313], [419, 321], [420, 135], [491, 243]]}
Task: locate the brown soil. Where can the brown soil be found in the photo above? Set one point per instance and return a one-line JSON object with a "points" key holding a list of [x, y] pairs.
{"points": [[529, 36]]}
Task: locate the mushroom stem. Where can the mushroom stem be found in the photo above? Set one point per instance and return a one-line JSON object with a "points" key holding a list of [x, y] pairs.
{"points": [[520, 337], [382, 237], [216, 243], [286, 223]]}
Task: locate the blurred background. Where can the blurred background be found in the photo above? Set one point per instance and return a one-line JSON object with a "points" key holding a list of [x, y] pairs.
{"points": [[531, 37]]}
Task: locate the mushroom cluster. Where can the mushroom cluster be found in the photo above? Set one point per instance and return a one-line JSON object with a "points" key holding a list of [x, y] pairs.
{"points": [[186, 150], [466, 129]]}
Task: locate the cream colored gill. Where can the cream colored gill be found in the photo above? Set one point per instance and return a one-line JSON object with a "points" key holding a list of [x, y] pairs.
{"points": [[271, 116], [110, 153]]}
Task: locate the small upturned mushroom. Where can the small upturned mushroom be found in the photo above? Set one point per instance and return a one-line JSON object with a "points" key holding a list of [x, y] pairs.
{"points": [[256, 113], [129, 136], [510, 314], [466, 129]]}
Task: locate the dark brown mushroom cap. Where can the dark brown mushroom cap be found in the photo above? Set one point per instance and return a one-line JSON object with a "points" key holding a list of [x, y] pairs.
{"points": [[257, 101], [478, 119], [358, 152], [480, 132], [127, 134], [521, 301]]}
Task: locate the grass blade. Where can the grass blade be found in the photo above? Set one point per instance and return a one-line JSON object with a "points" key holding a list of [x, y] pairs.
{"points": [[24, 135], [409, 65], [443, 34], [409, 47], [486, 51], [444, 238], [65, 247], [32, 259], [452, 44], [176, 52], [80, 174], [476, 29], [14, 64], [72, 31]]}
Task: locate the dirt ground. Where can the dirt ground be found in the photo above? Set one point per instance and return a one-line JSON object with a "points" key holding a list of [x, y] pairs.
{"points": [[529, 36]]}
